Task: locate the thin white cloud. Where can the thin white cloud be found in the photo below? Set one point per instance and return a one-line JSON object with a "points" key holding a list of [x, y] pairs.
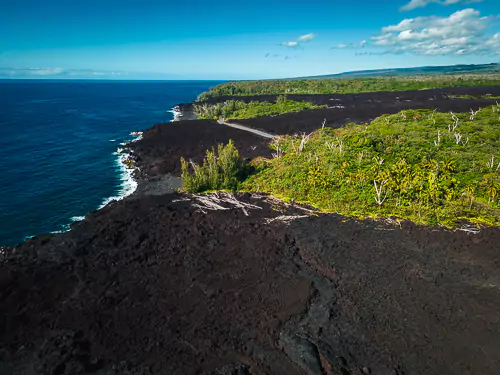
{"points": [[306, 38], [57, 73], [342, 46], [31, 72], [290, 44], [362, 44], [46, 71], [300, 40], [414, 4]]}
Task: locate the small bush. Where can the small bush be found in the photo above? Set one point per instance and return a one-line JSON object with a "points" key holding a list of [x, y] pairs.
{"points": [[221, 170]]}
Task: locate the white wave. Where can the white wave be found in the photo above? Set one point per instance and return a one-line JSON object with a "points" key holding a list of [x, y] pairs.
{"points": [[112, 140], [128, 184], [138, 138], [65, 228], [176, 112], [118, 151]]}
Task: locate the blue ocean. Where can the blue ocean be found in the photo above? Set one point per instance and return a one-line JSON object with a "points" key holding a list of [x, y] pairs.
{"points": [[59, 142]]}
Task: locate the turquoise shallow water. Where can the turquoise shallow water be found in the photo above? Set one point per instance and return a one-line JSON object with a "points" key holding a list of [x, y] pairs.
{"points": [[58, 143]]}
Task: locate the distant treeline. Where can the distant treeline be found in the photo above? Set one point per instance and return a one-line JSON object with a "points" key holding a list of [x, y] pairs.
{"points": [[417, 71], [347, 86], [236, 109]]}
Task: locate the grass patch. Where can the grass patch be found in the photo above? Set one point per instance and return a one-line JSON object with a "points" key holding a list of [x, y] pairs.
{"points": [[479, 97], [347, 86], [425, 166], [236, 109]]}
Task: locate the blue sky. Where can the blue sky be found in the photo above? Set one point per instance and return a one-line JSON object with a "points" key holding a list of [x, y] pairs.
{"points": [[194, 39]]}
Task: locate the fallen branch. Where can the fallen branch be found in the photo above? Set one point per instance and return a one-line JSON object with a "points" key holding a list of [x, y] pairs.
{"points": [[285, 218], [219, 202]]}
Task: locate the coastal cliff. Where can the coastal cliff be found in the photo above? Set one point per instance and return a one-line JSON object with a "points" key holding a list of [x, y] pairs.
{"points": [[164, 282]]}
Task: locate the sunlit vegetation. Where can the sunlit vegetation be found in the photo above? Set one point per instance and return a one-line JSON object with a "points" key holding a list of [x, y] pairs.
{"points": [[221, 170], [235, 109], [487, 96], [347, 86], [421, 165]]}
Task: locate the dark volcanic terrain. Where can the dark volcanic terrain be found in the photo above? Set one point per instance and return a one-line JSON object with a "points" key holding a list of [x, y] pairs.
{"points": [[362, 108], [222, 284]]}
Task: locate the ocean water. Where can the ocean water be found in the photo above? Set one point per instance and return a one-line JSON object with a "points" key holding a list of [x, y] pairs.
{"points": [[58, 143]]}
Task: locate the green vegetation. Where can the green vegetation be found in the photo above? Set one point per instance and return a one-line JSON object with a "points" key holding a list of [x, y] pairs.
{"points": [[420, 165], [347, 86], [221, 170], [487, 96], [477, 69], [235, 109]]}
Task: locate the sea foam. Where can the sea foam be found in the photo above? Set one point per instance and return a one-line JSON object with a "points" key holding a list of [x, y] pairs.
{"points": [[176, 112], [128, 184]]}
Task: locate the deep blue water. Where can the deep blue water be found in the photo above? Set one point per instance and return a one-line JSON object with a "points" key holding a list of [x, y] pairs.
{"points": [[57, 145]]}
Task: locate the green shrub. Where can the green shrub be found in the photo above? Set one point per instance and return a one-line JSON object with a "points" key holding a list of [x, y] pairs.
{"points": [[214, 111], [476, 97], [221, 170]]}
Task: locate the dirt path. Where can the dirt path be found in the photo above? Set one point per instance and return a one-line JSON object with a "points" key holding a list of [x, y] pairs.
{"points": [[247, 129]]}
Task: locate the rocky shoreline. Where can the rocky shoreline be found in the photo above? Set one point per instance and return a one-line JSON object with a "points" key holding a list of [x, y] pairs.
{"points": [[173, 283], [184, 112]]}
